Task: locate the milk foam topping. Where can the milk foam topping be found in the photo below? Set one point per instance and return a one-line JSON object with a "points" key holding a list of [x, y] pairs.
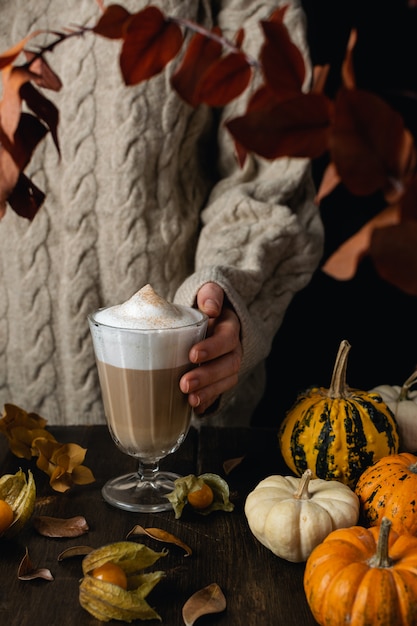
{"points": [[146, 332], [146, 310]]}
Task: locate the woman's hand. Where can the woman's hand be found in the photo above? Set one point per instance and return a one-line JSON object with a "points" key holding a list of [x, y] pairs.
{"points": [[219, 355]]}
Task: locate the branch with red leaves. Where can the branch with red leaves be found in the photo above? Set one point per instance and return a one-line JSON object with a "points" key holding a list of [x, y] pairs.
{"points": [[368, 145]]}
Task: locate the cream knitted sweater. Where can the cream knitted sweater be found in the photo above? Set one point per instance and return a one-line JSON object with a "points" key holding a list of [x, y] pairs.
{"points": [[140, 196]]}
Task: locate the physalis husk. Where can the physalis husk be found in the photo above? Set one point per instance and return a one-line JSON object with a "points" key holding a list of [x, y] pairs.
{"points": [[187, 484], [105, 600], [20, 493]]}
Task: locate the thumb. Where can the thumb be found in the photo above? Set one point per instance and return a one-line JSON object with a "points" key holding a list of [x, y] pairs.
{"points": [[210, 299]]}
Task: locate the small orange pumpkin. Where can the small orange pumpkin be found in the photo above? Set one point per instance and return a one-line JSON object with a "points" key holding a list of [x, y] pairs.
{"points": [[361, 576], [389, 489]]}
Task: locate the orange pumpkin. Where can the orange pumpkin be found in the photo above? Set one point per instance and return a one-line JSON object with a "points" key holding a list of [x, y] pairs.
{"points": [[389, 489], [361, 576]]}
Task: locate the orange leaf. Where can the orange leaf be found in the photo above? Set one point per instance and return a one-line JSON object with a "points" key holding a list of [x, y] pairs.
{"points": [[297, 127], [343, 263], [329, 181], [282, 61], [366, 158], [11, 105], [113, 23], [320, 74], [226, 79], [150, 42], [348, 72], [201, 52], [7, 58]]}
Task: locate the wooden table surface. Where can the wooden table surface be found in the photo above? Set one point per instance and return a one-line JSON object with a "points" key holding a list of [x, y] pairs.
{"points": [[260, 588]]}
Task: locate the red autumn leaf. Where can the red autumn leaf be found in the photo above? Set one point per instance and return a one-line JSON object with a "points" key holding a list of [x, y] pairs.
{"points": [[239, 38], [393, 251], [282, 61], [150, 42], [27, 136], [113, 23], [409, 201], [225, 80], [294, 128], [42, 73], [23, 196], [367, 158], [201, 52], [262, 100], [241, 153], [26, 198], [9, 175], [43, 108]]}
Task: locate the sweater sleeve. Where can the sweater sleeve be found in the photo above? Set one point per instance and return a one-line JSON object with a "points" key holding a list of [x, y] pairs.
{"points": [[261, 236]]}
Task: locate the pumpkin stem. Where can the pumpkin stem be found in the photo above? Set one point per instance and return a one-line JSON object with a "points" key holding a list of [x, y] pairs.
{"points": [[338, 385], [381, 558], [302, 491], [407, 386]]}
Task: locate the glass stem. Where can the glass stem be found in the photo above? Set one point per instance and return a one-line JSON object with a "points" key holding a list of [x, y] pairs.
{"points": [[148, 470]]}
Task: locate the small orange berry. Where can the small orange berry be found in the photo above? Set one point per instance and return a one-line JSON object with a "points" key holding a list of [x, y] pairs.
{"points": [[111, 573], [6, 516], [201, 498]]}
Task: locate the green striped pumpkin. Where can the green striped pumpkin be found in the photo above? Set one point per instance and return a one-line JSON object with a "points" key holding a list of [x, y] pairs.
{"points": [[338, 432]]}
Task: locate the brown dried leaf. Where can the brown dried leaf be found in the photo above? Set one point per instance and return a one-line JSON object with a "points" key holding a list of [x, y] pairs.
{"points": [[205, 601], [27, 571], [231, 464], [59, 527], [160, 535], [74, 551]]}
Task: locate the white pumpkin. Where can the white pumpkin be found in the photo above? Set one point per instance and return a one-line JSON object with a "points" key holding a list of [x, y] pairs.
{"points": [[403, 404], [290, 516]]}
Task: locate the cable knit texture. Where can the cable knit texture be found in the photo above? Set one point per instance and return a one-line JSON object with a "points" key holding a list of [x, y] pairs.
{"points": [[140, 196]]}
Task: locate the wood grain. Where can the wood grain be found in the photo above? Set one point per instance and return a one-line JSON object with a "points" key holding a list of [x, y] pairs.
{"points": [[260, 588]]}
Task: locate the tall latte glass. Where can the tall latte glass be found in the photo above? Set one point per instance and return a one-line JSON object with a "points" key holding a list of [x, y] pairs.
{"points": [[141, 350]]}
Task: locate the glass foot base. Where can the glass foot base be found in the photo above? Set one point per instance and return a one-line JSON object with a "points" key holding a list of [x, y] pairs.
{"points": [[131, 493]]}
